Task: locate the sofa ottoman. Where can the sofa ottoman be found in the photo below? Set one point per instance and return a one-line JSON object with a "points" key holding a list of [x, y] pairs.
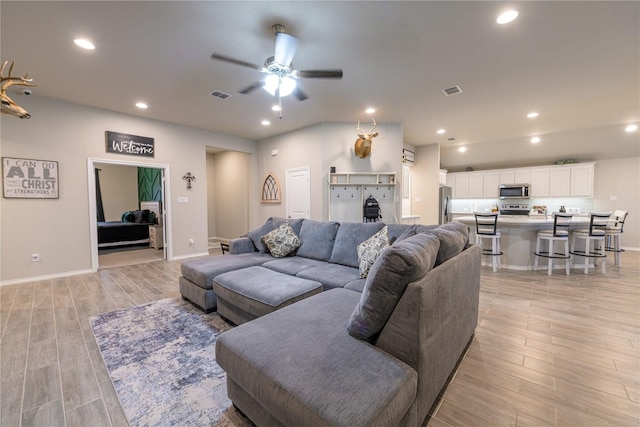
{"points": [[196, 282], [252, 292]]}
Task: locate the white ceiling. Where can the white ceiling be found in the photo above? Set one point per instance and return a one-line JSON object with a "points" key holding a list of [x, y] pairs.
{"points": [[576, 63]]}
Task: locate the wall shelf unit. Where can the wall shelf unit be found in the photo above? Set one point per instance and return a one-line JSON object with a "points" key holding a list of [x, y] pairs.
{"points": [[348, 191]]}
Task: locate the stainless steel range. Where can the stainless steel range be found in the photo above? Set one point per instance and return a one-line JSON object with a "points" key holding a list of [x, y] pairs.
{"points": [[516, 209]]}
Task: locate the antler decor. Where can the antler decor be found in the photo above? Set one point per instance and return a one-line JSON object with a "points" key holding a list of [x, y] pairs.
{"points": [[8, 105], [362, 146]]}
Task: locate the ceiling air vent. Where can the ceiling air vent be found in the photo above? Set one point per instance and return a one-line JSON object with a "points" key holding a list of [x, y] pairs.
{"points": [[453, 90], [221, 95]]}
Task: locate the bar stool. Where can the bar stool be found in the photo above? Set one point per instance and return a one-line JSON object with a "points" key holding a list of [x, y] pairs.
{"points": [[613, 233], [595, 234], [560, 233], [487, 228]]}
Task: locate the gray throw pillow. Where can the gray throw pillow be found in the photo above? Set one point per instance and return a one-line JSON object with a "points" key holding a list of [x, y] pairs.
{"points": [[453, 236], [317, 239], [370, 250], [397, 266], [281, 241], [349, 236], [256, 236]]}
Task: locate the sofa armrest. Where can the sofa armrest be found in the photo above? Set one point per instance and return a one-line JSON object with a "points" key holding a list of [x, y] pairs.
{"points": [[434, 322], [241, 245]]}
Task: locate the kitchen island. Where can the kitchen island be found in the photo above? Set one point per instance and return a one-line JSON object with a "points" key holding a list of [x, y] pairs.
{"points": [[518, 241]]}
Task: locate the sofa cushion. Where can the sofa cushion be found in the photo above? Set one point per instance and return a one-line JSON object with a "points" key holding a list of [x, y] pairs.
{"points": [[453, 236], [256, 235], [317, 239], [349, 236], [400, 264], [318, 374], [292, 265], [296, 223], [330, 275], [356, 285], [281, 241], [370, 250]]}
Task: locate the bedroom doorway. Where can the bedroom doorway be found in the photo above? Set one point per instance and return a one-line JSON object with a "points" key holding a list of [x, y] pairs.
{"points": [[125, 233]]}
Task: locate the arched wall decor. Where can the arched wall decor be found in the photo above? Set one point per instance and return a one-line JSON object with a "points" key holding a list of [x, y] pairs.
{"points": [[271, 189]]}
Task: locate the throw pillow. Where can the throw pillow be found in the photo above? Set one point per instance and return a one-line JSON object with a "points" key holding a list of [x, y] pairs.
{"points": [[281, 241], [453, 236], [256, 236], [400, 264], [370, 250]]}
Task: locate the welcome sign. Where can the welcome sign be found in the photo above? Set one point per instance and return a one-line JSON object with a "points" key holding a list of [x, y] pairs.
{"points": [[132, 145], [30, 179]]}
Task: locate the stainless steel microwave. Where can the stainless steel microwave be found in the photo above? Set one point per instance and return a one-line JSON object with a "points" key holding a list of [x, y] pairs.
{"points": [[514, 191]]}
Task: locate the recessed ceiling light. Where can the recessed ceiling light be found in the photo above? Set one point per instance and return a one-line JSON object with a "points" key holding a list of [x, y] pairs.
{"points": [[631, 128], [142, 105], [535, 139], [370, 110], [276, 108], [84, 43], [532, 115], [266, 123], [507, 16], [441, 131], [462, 149]]}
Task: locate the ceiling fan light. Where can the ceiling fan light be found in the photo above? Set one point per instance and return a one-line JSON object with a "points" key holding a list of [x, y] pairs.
{"points": [[271, 84], [287, 85]]}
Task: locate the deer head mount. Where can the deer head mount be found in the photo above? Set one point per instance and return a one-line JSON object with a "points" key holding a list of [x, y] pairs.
{"points": [[8, 105], [362, 147]]}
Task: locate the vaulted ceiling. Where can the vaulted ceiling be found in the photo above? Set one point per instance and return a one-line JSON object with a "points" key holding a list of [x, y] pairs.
{"points": [[575, 63]]}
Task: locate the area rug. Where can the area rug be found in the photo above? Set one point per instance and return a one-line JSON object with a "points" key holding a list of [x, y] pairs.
{"points": [[161, 359]]}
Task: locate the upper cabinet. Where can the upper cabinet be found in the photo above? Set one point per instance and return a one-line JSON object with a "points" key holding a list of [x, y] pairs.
{"points": [[574, 180]]}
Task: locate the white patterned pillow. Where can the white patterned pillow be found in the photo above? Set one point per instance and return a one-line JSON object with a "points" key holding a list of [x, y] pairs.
{"points": [[282, 241], [370, 250]]}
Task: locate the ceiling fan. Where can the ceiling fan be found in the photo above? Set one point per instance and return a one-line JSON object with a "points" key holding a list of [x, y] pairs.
{"points": [[281, 77]]}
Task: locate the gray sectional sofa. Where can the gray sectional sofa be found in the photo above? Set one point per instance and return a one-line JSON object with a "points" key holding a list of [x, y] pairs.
{"points": [[319, 345]]}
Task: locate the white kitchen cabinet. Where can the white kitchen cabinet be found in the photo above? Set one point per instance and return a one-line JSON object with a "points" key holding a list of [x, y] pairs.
{"points": [[582, 180], [560, 181], [460, 185], [522, 176], [507, 176], [476, 185], [539, 180], [491, 183], [442, 175]]}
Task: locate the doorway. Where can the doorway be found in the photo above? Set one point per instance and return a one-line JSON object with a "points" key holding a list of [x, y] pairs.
{"points": [[131, 253]]}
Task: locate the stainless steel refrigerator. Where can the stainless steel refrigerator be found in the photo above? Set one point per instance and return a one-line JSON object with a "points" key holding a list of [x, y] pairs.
{"points": [[444, 214]]}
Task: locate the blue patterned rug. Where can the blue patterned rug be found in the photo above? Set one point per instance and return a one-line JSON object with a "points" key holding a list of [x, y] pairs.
{"points": [[161, 360]]}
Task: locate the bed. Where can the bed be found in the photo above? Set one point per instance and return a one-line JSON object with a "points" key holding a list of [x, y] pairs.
{"points": [[133, 231]]}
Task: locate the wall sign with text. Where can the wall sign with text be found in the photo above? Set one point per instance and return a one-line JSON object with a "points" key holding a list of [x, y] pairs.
{"points": [[132, 145], [30, 179]]}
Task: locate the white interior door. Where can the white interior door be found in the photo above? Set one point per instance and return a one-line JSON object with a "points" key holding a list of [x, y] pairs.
{"points": [[298, 193]]}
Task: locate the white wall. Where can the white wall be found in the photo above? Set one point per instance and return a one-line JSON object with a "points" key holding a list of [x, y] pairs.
{"points": [[59, 229], [119, 188], [426, 184], [620, 179], [321, 146]]}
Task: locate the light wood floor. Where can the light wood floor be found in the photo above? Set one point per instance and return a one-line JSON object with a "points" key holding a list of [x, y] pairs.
{"points": [[548, 350]]}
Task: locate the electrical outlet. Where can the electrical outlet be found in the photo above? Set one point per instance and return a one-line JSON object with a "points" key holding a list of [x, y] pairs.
{"points": [[191, 242], [35, 257]]}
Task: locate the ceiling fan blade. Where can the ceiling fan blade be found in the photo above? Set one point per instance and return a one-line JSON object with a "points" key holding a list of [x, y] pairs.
{"points": [[298, 93], [320, 74], [286, 46], [251, 87], [225, 58]]}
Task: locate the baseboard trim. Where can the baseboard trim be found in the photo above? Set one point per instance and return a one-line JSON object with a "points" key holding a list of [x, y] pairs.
{"points": [[44, 277], [177, 258]]}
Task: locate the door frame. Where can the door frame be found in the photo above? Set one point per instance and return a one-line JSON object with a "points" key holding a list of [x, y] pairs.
{"points": [[93, 219]]}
